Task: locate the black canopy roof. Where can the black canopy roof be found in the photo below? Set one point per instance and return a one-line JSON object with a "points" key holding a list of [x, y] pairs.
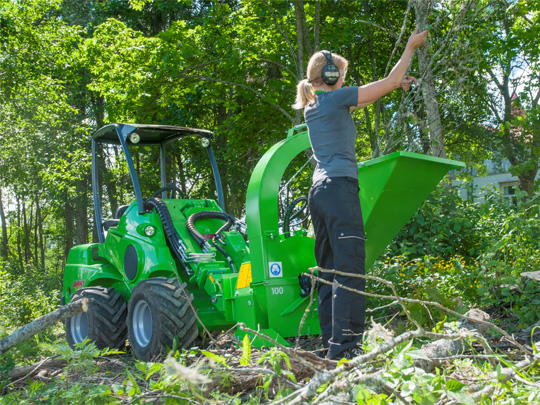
{"points": [[150, 134]]}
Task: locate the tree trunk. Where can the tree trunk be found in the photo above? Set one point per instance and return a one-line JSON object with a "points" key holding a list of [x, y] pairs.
{"points": [[36, 233], [423, 130], [373, 131], [98, 106], [300, 41], [181, 174], [222, 114], [521, 152], [26, 235], [81, 213], [429, 92], [511, 144], [304, 45], [105, 179], [526, 180], [302, 34], [19, 245], [39, 220], [4, 243], [69, 228], [317, 26]]}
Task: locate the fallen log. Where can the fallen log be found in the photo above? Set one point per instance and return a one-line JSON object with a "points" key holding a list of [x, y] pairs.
{"points": [[439, 349], [40, 324], [530, 335], [23, 371]]}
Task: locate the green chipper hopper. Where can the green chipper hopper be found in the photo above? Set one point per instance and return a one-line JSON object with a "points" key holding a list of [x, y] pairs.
{"points": [[169, 265]]}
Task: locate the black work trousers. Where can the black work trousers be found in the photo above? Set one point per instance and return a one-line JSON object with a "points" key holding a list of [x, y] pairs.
{"points": [[339, 245]]}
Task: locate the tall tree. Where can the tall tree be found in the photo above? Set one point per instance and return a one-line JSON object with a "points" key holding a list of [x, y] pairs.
{"points": [[429, 92], [4, 242]]}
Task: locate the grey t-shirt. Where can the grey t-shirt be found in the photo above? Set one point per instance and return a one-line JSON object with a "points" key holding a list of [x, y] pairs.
{"points": [[332, 133]]}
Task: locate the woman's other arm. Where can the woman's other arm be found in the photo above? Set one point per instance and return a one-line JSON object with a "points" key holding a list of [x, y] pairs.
{"points": [[371, 92], [405, 85]]}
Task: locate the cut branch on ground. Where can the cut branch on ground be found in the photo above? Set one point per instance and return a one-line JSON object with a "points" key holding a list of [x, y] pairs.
{"points": [[43, 323]]}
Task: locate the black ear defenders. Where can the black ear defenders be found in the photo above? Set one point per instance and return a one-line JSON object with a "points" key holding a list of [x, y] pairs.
{"points": [[330, 72]]}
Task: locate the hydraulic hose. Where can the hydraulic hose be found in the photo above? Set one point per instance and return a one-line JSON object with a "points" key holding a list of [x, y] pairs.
{"points": [[288, 216], [176, 243], [201, 240]]}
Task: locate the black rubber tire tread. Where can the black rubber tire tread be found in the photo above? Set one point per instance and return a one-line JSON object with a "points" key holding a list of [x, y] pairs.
{"points": [[107, 317], [172, 316]]}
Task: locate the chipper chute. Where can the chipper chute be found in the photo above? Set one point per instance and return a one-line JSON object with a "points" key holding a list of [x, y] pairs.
{"points": [[170, 264]]}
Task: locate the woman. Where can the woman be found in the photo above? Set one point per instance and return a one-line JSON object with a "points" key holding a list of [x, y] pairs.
{"points": [[333, 198]]}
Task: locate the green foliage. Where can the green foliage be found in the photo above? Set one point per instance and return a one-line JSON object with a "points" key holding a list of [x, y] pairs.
{"points": [[492, 228], [461, 255], [445, 226], [25, 296], [80, 359], [281, 364], [68, 388]]}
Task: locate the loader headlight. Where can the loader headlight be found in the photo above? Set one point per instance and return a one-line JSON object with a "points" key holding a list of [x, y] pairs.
{"points": [[134, 138], [149, 230], [205, 142]]}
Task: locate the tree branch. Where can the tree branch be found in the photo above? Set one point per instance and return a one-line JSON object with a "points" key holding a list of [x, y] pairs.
{"points": [[40, 324], [402, 300]]}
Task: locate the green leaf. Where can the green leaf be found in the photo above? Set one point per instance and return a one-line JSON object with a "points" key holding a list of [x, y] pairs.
{"points": [[154, 368], [454, 385], [363, 396], [218, 359], [341, 362], [135, 389], [461, 397], [534, 346], [246, 351]]}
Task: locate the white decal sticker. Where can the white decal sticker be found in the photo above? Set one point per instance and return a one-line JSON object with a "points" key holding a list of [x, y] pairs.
{"points": [[275, 269]]}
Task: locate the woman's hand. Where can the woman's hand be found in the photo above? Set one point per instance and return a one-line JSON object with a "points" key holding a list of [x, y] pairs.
{"points": [[407, 81], [416, 40]]}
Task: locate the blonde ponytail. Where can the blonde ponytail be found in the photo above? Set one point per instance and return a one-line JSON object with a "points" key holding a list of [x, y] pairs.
{"points": [[304, 94]]}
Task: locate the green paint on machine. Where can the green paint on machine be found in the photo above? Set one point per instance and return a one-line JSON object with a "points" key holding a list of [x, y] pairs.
{"points": [[164, 257]]}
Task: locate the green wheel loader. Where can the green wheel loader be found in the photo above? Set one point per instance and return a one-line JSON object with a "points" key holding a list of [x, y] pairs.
{"points": [[170, 263]]}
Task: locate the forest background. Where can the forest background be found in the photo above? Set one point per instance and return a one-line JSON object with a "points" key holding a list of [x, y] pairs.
{"points": [[231, 66]]}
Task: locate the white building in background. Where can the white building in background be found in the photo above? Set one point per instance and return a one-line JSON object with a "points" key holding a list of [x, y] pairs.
{"points": [[498, 176], [498, 173]]}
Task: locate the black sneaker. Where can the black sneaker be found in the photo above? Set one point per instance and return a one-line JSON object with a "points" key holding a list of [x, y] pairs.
{"points": [[349, 354]]}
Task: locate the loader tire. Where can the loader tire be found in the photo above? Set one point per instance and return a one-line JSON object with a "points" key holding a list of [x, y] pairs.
{"points": [[159, 311], [105, 321]]}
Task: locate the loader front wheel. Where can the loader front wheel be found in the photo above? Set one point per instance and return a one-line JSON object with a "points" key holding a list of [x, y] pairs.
{"points": [[105, 321], [158, 312]]}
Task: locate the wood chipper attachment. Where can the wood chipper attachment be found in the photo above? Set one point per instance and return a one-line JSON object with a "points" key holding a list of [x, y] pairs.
{"points": [[392, 188]]}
